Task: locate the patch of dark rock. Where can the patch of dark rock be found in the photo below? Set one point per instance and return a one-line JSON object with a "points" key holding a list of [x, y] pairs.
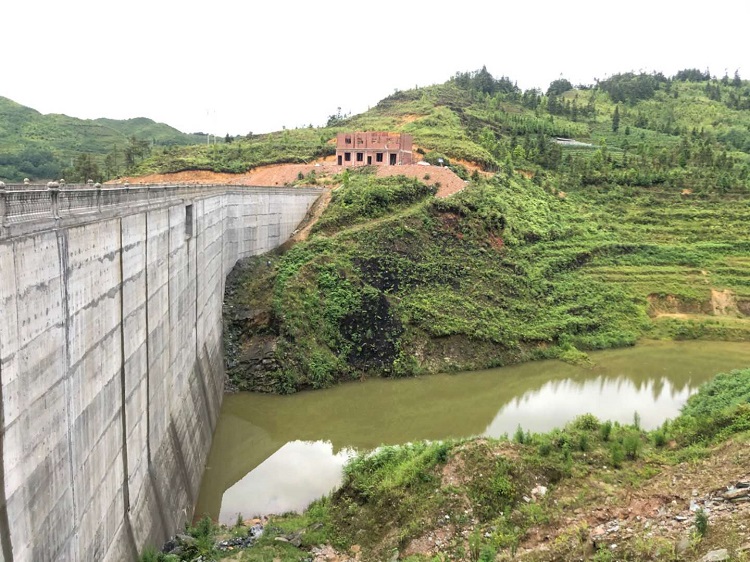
{"points": [[374, 333]]}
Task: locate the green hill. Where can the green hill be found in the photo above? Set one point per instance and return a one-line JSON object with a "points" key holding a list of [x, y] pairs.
{"points": [[639, 232], [41, 146], [633, 129]]}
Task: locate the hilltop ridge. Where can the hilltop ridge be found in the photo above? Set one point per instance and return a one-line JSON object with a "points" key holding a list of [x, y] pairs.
{"points": [[40, 146]]}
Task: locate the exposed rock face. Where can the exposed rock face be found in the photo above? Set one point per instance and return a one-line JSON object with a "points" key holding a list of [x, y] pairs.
{"points": [[257, 362], [724, 303]]}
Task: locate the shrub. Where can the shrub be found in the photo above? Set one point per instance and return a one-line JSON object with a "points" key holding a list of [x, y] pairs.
{"points": [[605, 430], [545, 448], [701, 522], [617, 454], [586, 422], [566, 452], [583, 442], [631, 444], [659, 437]]}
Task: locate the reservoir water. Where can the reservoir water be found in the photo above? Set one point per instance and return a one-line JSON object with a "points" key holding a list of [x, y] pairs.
{"points": [[272, 454]]}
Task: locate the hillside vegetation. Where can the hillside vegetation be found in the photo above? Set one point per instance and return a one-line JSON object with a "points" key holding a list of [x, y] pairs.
{"points": [[395, 282], [44, 147], [635, 230]]}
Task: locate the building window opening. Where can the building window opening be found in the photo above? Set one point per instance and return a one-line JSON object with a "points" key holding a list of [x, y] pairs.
{"points": [[348, 140], [393, 159], [348, 156], [379, 157], [360, 156]]}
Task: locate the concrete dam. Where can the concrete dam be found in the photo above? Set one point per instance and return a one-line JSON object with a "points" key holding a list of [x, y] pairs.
{"points": [[111, 357]]}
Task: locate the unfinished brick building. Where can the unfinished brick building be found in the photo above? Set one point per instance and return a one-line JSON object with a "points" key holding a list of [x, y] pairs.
{"points": [[373, 149]]}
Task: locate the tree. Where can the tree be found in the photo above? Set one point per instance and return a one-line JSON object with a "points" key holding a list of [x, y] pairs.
{"points": [[559, 87], [135, 151], [736, 81], [333, 120], [84, 169], [484, 82], [616, 119], [112, 163], [228, 138], [692, 75]]}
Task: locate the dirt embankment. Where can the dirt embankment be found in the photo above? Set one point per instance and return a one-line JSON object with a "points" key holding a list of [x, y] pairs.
{"points": [[720, 303], [285, 174]]}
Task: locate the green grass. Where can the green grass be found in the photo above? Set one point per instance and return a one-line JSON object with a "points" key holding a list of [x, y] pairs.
{"points": [[243, 154]]}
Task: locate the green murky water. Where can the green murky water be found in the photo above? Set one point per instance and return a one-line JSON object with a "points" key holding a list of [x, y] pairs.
{"points": [[273, 454]]}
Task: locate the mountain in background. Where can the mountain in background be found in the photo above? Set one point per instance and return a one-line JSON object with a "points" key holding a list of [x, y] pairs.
{"points": [[39, 147]]}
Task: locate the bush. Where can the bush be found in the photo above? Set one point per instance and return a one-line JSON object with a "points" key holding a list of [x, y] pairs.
{"points": [[659, 437], [365, 197], [545, 448], [631, 444], [605, 430], [617, 454], [587, 422], [583, 442], [204, 533], [720, 407], [701, 522]]}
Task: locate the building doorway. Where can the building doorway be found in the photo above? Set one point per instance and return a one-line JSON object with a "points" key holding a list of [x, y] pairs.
{"points": [[339, 160], [392, 159], [369, 160]]}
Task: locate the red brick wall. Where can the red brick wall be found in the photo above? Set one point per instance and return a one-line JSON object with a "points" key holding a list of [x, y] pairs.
{"points": [[370, 144]]}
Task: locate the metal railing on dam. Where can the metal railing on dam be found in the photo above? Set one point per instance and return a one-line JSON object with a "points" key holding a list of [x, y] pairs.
{"points": [[111, 356], [66, 203]]}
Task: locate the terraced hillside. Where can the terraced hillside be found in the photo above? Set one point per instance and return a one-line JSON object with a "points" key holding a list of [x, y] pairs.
{"points": [[393, 282]]}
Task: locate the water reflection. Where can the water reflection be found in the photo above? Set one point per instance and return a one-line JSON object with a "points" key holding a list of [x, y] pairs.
{"points": [[612, 399], [288, 480], [275, 453]]}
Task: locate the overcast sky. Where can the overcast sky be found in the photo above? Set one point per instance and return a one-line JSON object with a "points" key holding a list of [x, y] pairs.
{"points": [[226, 66]]}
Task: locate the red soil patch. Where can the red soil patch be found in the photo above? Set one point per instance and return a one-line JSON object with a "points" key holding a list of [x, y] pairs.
{"points": [[285, 174]]}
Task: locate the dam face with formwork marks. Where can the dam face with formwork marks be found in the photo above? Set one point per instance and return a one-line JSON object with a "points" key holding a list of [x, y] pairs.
{"points": [[111, 364]]}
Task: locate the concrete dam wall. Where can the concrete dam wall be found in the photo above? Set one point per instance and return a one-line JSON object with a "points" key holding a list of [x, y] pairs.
{"points": [[111, 356]]}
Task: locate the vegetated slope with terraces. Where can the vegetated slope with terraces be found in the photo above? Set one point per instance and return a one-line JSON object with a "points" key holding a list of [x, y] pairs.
{"points": [[565, 249]]}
